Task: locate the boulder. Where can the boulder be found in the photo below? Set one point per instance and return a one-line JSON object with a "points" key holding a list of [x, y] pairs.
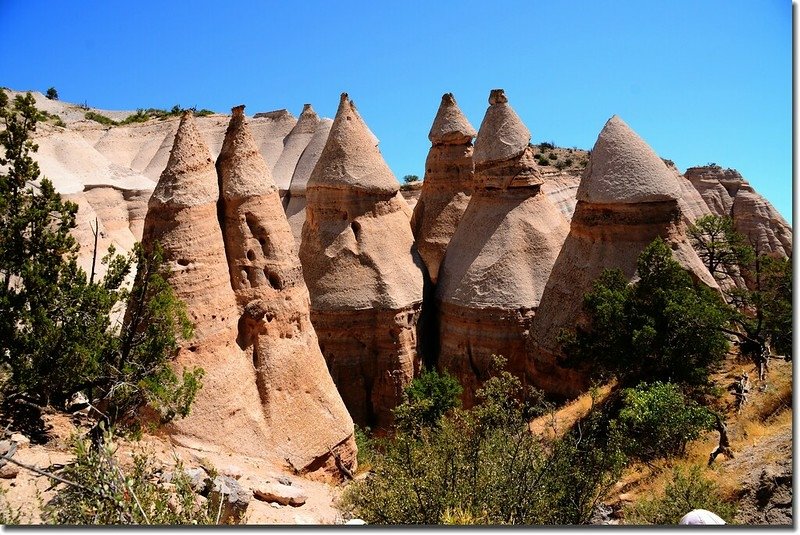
{"points": [[235, 499], [280, 494], [500, 256], [300, 403], [447, 186], [362, 271], [627, 197]]}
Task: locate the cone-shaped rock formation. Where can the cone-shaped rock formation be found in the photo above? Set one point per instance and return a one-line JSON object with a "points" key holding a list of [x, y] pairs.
{"points": [[303, 410], [500, 257], [627, 198], [182, 216], [296, 208], [447, 186], [362, 270], [293, 146]]}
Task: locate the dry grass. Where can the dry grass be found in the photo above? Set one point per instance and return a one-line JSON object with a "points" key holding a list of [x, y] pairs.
{"points": [[555, 424]]}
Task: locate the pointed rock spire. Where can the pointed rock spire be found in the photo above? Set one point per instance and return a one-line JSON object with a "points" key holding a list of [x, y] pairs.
{"points": [[450, 125], [294, 144], [240, 166], [307, 122], [624, 169], [189, 178], [351, 157], [502, 134]]}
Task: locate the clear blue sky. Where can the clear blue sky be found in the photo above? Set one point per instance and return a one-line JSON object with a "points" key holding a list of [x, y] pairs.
{"points": [[700, 80]]}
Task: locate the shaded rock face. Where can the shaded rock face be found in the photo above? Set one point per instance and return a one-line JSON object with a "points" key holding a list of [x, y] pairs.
{"points": [[362, 271], [500, 257], [293, 146], [302, 408], [182, 216], [447, 186], [627, 198], [726, 193]]}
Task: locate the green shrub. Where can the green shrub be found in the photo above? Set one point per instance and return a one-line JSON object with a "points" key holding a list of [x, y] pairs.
{"points": [[52, 94], [102, 119], [685, 492], [140, 116], [546, 145], [484, 466], [553, 156], [428, 398], [109, 492], [658, 421]]}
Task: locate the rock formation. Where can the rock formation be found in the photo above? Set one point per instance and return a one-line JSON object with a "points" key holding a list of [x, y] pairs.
{"points": [[296, 208], [447, 186], [303, 410], [627, 198], [362, 271], [727, 194], [182, 216], [293, 146], [500, 257]]}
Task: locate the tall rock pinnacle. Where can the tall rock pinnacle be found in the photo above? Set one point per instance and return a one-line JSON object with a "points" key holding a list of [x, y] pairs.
{"points": [[501, 254], [362, 270], [627, 198], [303, 410], [293, 146]]}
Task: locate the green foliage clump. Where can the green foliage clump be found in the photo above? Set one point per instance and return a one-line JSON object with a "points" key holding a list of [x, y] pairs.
{"points": [[100, 118], [552, 156], [719, 246], [141, 116], [428, 398], [658, 420], [685, 492], [56, 336], [106, 492], [485, 466], [775, 302], [52, 93], [662, 327], [546, 145]]}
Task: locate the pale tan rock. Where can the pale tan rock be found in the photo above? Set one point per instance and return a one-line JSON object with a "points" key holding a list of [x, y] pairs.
{"points": [[296, 208], [280, 494], [447, 185], [607, 232], [293, 146], [499, 259], [182, 216], [301, 405], [561, 187], [509, 136], [362, 270]]}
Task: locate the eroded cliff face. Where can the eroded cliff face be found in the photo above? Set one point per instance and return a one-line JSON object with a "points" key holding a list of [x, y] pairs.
{"points": [[302, 408], [362, 271], [500, 257], [627, 198], [182, 217], [447, 185], [726, 193]]}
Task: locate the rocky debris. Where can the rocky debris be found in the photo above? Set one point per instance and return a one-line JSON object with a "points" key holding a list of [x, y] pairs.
{"points": [[280, 494], [726, 193], [293, 146], [447, 186], [198, 479], [499, 257], [235, 499], [362, 271], [182, 217], [296, 207], [301, 405], [627, 198]]}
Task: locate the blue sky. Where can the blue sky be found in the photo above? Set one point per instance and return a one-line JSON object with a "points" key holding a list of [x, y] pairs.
{"points": [[700, 81]]}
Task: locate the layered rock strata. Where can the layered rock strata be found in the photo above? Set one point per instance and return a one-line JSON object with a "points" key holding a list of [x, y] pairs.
{"points": [[627, 197], [362, 271], [447, 186], [182, 216], [500, 257], [302, 408], [727, 194]]}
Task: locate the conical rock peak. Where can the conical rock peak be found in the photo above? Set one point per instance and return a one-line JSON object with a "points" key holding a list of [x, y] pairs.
{"points": [[624, 169], [242, 170], [307, 122], [502, 134], [351, 157], [189, 179], [450, 125]]}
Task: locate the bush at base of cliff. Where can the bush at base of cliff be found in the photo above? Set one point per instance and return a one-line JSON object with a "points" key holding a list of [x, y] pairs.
{"points": [[686, 491], [484, 466]]}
